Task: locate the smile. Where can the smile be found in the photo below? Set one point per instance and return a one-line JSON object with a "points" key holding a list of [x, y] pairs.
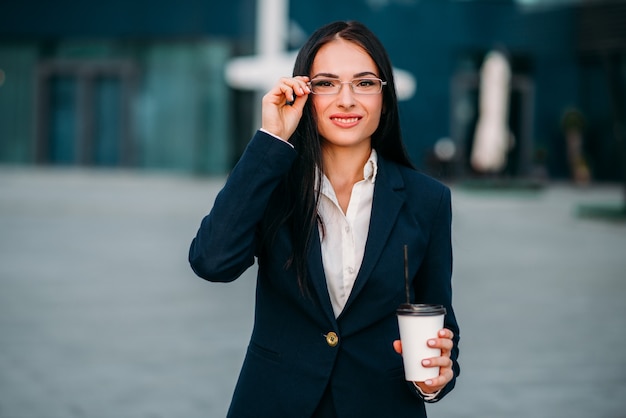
{"points": [[345, 120]]}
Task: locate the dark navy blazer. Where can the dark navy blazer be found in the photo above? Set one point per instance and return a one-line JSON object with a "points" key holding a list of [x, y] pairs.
{"points": [[289, 361]]}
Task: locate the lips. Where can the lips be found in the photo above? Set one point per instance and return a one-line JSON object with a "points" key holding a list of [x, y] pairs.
{"points": [[345, 120]]}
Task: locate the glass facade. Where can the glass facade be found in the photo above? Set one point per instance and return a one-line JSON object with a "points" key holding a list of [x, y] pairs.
{"points": [[149, 91]]}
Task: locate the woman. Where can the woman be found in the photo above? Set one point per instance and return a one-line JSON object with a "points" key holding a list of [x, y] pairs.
{"points": [[326, 199]]}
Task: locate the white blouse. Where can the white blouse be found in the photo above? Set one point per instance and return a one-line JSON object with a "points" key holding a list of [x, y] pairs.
{"points": [[343, 236]]}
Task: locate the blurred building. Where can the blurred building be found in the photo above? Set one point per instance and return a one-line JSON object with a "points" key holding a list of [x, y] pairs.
{"points": [[135, 84]]}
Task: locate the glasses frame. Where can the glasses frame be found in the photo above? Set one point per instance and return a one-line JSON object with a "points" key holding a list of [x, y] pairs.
{"points": [[341, 83]]}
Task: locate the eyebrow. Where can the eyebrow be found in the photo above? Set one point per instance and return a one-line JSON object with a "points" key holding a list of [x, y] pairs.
{"points": [[329, 75]]}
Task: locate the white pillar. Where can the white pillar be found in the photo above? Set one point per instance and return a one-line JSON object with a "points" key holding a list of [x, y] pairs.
{"points": [[272, 21]]}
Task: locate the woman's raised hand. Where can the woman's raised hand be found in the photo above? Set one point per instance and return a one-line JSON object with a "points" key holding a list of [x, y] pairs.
{"points": [[282, 106]]}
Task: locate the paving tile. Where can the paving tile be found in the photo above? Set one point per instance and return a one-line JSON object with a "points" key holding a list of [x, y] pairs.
{"points": [[101, 316]]}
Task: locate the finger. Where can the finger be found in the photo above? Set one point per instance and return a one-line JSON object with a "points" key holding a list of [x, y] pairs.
{"points": [[303, 83], [288, 92], [293, 87], [440, 362], [281, 92], [299, 102], [444, 344], [445, 375], [397, 345], [445, 333]]}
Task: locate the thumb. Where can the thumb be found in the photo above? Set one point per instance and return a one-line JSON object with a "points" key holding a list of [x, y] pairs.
{"points": [[299, 102], [397, 345]]}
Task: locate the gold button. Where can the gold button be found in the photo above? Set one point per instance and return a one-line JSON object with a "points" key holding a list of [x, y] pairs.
{"points": [[332, 339]]}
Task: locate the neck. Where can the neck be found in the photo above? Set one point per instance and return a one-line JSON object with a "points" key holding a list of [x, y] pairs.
{"points": [[344, 165]]}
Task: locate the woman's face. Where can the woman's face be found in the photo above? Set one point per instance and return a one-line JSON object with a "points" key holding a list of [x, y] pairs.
{"points": [[345, 119]]}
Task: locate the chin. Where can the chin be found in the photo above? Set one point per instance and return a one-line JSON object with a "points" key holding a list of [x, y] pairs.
{"points": [[347, 139]]}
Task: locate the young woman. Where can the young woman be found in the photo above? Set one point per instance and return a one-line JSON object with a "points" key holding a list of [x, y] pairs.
{"points": [[326, 199]]}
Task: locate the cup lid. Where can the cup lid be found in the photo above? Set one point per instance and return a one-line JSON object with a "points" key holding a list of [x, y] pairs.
{"points": [[420, 309]]}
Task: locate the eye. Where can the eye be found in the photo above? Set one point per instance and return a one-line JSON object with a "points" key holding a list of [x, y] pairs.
{"points": [[324, 83], [366, 83]]}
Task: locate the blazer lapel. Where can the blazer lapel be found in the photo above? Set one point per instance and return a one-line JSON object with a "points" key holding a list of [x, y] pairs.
{"points": [[387, 202], [317, 276]]}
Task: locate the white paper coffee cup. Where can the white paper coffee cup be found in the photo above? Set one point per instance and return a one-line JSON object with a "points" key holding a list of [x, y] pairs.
{"points": [[418, 323]]}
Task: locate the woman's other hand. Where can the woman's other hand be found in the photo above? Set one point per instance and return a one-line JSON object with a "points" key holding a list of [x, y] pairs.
{"points": [[443, 342], [282, 106]]}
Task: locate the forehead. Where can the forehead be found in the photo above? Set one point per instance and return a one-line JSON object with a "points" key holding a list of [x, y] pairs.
{"points": [[342, 58]]}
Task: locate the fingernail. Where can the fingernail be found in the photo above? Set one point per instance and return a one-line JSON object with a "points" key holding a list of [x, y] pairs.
{"points": [[431, 342], [429, 382], [442, 333], [425, 362]]}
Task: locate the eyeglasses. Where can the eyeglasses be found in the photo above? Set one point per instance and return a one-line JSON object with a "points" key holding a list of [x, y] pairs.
{"points": [[328, 86]]}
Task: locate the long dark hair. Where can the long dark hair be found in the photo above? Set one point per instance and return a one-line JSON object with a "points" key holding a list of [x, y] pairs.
{"points": [[296, 198]]}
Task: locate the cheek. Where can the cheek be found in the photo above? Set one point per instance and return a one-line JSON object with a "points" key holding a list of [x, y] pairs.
{"points": [[375, 107], [381, 109], [318, 104], [376, 114]]}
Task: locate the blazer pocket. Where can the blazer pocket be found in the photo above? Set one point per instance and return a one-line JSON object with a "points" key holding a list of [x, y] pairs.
{"points": [[264, 352]]}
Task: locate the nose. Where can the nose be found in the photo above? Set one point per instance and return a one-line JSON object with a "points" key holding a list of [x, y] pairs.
{"points": [[345, 97]]}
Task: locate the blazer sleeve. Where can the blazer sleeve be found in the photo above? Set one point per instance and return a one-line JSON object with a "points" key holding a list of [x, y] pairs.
{"points": [[224, 245], [434, 278]]}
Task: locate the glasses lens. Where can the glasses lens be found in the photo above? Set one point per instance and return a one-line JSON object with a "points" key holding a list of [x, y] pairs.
{"points": [[366, 85], [325, 86]]}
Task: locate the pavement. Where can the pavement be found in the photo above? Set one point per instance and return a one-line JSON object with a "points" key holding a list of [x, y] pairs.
{"points": [[100, 315]]}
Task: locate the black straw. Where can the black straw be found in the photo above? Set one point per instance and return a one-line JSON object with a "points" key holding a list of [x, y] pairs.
{"points": [[406, 272]]}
